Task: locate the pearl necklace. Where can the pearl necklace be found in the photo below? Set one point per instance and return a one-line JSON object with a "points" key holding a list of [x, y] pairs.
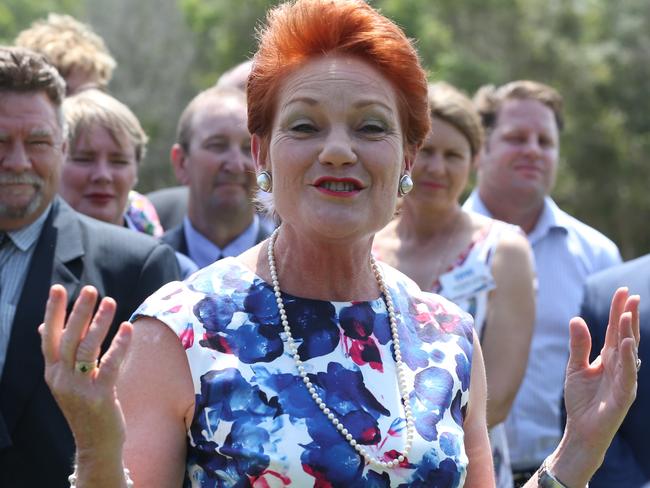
{"points": [[401, 375]]}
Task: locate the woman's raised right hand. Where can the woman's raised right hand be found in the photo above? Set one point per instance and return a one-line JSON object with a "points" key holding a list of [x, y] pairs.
{"points": [[83, 386]]}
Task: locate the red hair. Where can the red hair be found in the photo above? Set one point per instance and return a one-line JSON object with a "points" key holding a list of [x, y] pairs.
{"points": [[300, 30]]}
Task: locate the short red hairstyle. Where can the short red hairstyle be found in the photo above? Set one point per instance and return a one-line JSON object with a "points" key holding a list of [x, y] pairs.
{"points": [[300, 30]]}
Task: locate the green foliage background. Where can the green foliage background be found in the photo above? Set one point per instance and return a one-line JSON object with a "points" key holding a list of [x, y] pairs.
{"points": [[595, 52]]}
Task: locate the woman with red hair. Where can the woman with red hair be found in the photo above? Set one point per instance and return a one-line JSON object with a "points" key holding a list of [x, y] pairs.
{"points": [[304, 362]]}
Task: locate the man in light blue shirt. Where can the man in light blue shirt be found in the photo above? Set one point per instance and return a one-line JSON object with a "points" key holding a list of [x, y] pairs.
{"points": [[516, 173], [212, 156]]}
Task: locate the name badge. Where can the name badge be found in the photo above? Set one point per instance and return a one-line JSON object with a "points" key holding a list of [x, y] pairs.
{"points": [[466, 281]]}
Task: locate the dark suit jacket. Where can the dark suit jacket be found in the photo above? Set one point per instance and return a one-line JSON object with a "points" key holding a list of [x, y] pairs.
{"points": [[176, 237], [170, 204], [627, 462], [36, 446]]}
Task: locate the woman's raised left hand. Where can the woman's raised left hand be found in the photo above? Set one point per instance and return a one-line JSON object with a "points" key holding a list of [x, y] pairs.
{"points": [[598, 395]]}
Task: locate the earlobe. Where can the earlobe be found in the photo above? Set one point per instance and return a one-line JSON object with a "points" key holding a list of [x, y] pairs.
{"points": [[257, 153], [408, 164]]}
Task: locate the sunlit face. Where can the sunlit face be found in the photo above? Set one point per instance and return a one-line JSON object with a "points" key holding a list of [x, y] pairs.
{"points": [[441, 167], [218, 167], [99, 173], [336, 149], [520, 158], [31, 155]]}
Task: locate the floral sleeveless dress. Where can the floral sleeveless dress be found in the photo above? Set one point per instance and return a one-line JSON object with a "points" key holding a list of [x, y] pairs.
{"points": [[255, 424]]}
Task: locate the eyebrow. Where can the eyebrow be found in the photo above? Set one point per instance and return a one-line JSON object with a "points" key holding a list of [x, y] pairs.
{"points": [[41, 133], [92, 152], [358, 105]]}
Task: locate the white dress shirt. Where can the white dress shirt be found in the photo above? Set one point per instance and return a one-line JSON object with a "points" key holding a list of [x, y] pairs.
{"points": [[566, 252]]}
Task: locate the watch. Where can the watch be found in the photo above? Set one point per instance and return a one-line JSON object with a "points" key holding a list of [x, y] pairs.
{"points": [[546, 480]]}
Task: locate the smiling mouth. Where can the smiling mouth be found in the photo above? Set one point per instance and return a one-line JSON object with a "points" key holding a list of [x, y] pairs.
{"points": [[339, 186]]}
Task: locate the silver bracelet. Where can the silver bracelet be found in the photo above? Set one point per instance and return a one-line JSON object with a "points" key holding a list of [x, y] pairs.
{"points": [[546, 479], [72, 479]]}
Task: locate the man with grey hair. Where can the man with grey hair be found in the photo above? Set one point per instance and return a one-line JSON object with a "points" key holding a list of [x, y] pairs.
{"points": [[212, 156], [171, 203], [43, 242], [516, 173]]}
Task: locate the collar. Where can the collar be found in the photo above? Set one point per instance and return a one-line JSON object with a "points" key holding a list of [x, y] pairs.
{"points": [[204, 252], [552, 217], [26, 237]]}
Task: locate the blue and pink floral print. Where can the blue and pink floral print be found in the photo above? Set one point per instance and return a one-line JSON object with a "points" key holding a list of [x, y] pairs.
{"points": [[255, 424]]}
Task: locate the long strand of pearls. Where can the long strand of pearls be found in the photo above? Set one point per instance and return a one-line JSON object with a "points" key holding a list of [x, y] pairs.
{"points": [[401, 375]]}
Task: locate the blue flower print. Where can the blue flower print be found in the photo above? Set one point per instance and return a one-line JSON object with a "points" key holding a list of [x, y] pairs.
{"points": [[251, 341], [430, 398], [313, 326], [255, 424]]}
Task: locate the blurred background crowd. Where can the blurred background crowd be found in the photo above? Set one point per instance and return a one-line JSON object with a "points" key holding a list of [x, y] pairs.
{"points": [[594, 52]]}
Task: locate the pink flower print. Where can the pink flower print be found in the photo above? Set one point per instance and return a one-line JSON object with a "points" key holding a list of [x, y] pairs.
{"points": [[187, 336], [270, 479]]}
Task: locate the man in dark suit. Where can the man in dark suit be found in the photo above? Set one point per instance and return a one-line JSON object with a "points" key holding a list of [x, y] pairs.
{"points": [[212, 157], [42, 242], [627, 462]]}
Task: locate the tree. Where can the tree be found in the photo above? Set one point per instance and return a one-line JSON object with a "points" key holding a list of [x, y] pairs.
{"points": [[16, 15]]}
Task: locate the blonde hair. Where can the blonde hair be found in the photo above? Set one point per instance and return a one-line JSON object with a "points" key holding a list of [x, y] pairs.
{"points": [[70, 44], [94, 107]]}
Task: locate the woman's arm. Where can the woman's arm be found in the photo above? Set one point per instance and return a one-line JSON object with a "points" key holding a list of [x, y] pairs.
{"points": [[509, 324], [88, 396], [157, 397], [480, 473]]}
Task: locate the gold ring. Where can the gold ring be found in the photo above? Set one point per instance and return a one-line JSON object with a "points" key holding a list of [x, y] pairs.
{"points": [[638, 364], [85, 366]]}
